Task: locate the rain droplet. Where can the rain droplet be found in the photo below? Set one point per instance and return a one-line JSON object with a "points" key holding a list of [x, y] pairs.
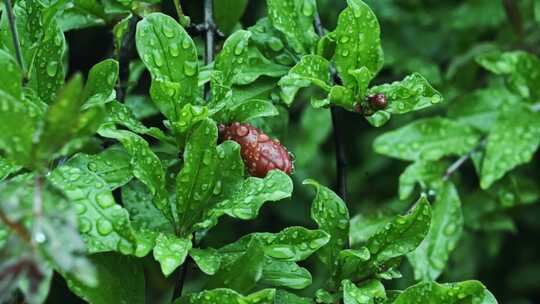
{"points": [[52, 68], [104, 227], [190, 68], [168, 31]]}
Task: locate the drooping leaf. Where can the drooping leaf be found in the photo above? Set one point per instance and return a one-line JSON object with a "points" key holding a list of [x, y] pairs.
{"points": [[146, 166], [431, 256], [250, 109], [294, 19], [512, 141], [428, 139], [312, 69], [357, 35], [170, 252], [332, 216], [285, 274], [99, 88], [82, 14], [258, 65], [428, 174]]}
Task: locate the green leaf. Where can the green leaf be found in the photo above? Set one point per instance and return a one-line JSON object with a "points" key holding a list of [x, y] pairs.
{"points": [[427, 139], [228, 296], [295, 243], [104, 225], [332, 216], [450, 293], [11, 79], [249, 196], [7, 168], [312, 69], [232, 56], [384, 249], [361, 49], [47, 72], [258, 65], [294, 18], [413, 93], [208, 260], [171, 252], [101, 82], [167, 50], [284, 297], [370, 292], [250, 109], [189, 116], [120, 279], [428, 174], [431, 256], [285, 274], [168, 98], [61, 120], [364, 226], [20, 119], [120, 114], [522, 69], [512, 141], [146, 166], [197, 179], [481, 108], [228, 13], [243, 273], [82, 14]]}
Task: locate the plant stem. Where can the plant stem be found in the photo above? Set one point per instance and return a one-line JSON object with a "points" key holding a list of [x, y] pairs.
{"points": [[210, 28], [17, 228], [15, 37], [460, 161], [337, 124], [513, 15], [124, 55]]}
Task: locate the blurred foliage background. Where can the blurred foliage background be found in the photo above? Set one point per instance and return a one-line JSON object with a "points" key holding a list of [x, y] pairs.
{"points": [[437, 38]]}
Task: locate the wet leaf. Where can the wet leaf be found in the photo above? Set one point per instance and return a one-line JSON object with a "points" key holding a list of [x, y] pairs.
{"points": [[208, 260], [431, 256], [370, 292], [449, 293], [311, 70], [512, 141], [228, 296], [171, 252], [332, 216], [428, 139]]}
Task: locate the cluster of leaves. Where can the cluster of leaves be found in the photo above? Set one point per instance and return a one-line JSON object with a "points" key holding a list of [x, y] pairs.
{"points": [[87, 190]]}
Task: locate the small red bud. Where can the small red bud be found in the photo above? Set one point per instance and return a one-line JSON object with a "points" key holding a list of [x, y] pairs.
{"points": [[378, 101]]}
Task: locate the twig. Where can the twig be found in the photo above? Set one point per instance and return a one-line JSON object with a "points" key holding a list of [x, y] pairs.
{"points": [[17, 228], [210, 28], [15, 37], [460, 161], [337, 123], [37, 209], [514, 16], [124, 55]]}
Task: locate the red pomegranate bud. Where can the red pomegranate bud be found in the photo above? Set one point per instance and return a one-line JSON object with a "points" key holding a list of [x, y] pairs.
{"points": [[378, 101], [259, 152]]}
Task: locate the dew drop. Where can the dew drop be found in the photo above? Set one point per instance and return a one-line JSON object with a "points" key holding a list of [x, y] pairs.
{"points": [[52, 68], [104, 227]]}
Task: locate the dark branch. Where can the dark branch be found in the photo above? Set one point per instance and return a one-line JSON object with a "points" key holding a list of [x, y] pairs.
{"points": [[210, 28], [125, 54], [513, 15], [15, 37], [337, 123], [454, 167]]}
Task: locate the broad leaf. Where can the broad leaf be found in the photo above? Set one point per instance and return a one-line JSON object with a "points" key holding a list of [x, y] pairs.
{"points": [[370, 292], [428, 174], [431, 256], [294, 18], [146, 166], [170, 252], [285, 274], [413, 93], [228, 296], [208, 260], [512, 141], [332, 216], [101, 82], [11, 79], [228, 13], [357, 35], [312, 69], [233, 56], [250, 109], [427, 139], [450, 293]]}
